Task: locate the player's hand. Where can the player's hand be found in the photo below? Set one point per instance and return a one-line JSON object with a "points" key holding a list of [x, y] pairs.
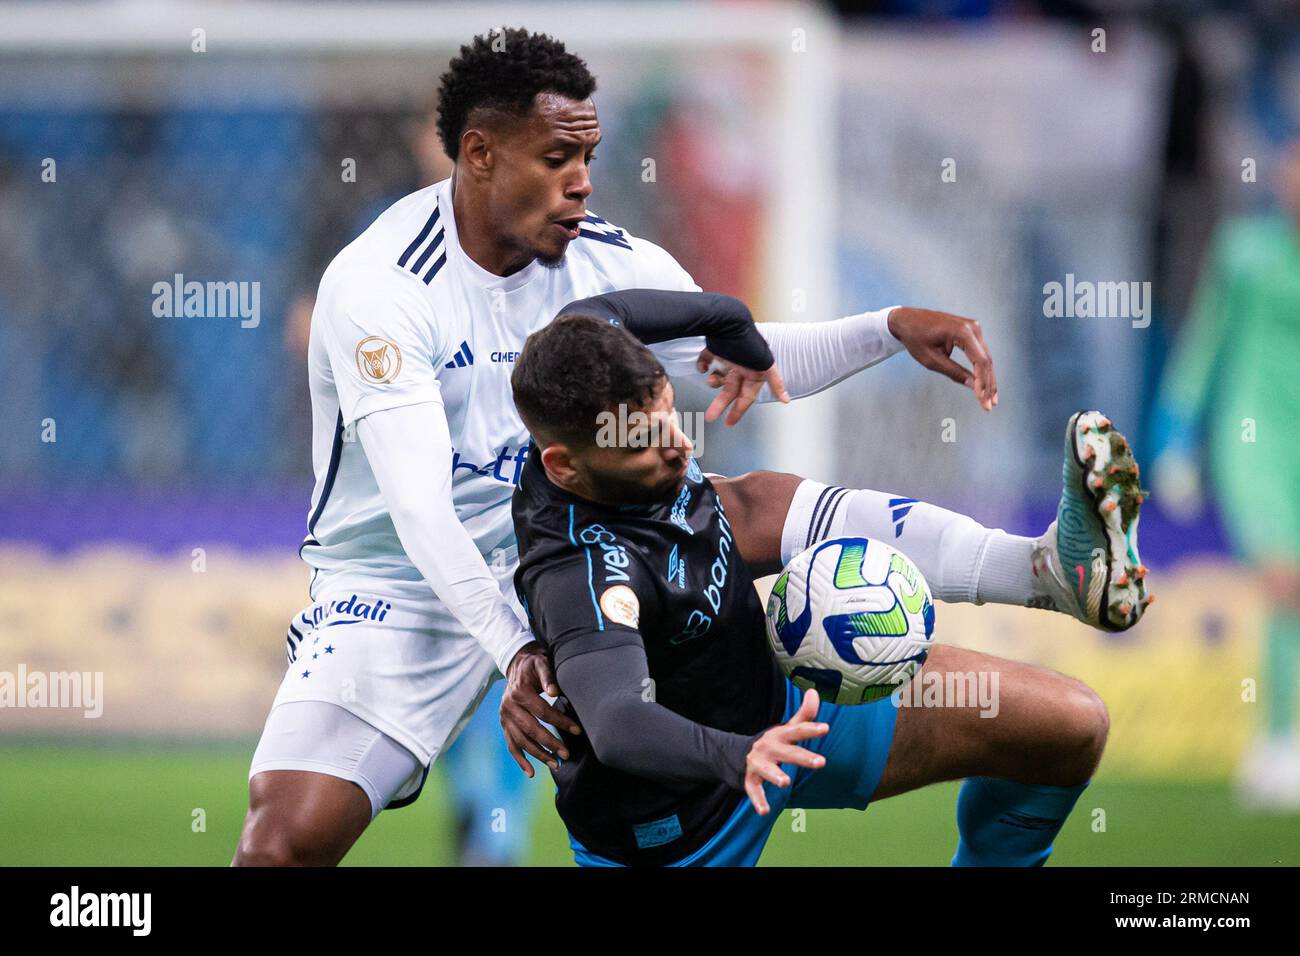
{"points": [[930, 338], [523, 709], [740, 386], [779, 745]]}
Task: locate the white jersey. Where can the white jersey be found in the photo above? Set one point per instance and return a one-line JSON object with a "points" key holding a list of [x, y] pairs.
{"points": [[404, 316]]}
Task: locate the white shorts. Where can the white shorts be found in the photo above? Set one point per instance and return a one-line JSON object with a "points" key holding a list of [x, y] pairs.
{"points": [[408, 670], [325, 738]]}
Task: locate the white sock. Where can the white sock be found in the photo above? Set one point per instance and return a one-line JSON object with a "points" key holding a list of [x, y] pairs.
{"points": [[962, 560]]}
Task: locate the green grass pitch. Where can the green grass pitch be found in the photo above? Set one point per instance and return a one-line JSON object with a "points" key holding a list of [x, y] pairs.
{"points": [[133, 805]]}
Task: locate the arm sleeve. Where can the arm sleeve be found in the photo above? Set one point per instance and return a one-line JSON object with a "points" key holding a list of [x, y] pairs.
{"points": [[607, 688], [812, 356], [409, 450], [384, 346], [657, 315]]}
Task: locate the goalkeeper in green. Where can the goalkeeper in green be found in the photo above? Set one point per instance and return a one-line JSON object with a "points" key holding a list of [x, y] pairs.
{"points": [[1232, 386]]}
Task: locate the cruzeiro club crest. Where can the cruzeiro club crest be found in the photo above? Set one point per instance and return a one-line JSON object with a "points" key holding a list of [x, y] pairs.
{"points": [[378, 360]]}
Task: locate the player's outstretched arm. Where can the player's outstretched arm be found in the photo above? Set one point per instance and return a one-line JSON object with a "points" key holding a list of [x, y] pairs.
{"points": [[409, 450], [813, 356]]}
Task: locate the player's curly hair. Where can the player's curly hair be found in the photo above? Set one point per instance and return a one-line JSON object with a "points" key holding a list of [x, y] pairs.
{"points": [[575, 368], [507, 79]]}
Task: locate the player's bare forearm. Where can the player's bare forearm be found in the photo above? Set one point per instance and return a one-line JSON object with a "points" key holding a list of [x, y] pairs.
{"points": [[930, 338]]}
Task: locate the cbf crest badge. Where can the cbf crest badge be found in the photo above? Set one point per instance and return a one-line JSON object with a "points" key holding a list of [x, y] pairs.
{"points": [[378, 360]]}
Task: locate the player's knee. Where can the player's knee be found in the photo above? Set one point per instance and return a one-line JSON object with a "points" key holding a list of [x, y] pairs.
{"points": [[1083, 728], [279, 850], [262, 849], [279, 832], [266, 842]]}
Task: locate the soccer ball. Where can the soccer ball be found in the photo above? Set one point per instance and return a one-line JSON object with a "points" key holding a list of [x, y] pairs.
{"points": [[851, 617]]}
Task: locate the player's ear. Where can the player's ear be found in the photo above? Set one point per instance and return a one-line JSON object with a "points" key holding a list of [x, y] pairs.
{"points": [[475, 152], [558, 462]]}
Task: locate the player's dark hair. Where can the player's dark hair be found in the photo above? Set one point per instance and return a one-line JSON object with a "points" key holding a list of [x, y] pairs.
{"points": [[575, 368], [506, 79]]}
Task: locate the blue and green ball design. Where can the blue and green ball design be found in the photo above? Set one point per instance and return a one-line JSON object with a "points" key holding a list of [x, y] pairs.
{"points": [[865, 620]]}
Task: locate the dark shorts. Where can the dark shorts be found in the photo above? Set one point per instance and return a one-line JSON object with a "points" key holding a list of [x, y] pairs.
{"points": [[856, 749]]}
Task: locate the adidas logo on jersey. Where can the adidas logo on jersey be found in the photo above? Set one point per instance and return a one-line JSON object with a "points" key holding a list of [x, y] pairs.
{"points": [[462, 358]]}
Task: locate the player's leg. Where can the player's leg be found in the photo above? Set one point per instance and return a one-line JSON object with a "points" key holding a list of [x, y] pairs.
{"points": [[300, 818], [968, 714], [1085, 564], [1268, 775], [1267, 539], [364, 708], [1282, 649], [347, 771], [775, 516], [1025, 738]]}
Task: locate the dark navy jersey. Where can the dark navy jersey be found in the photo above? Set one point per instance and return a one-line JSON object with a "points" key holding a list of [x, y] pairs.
{"points": [[668, 577]]}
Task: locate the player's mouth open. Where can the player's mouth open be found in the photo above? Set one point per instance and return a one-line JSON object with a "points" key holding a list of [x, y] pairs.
{"points": [[569, 226]]}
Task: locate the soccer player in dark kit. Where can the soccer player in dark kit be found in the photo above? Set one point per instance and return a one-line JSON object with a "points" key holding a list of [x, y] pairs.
{"points": [[636, 585]]}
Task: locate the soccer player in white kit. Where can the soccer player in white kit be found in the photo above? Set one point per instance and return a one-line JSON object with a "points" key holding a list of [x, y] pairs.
{"points": [[417, 448]]}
